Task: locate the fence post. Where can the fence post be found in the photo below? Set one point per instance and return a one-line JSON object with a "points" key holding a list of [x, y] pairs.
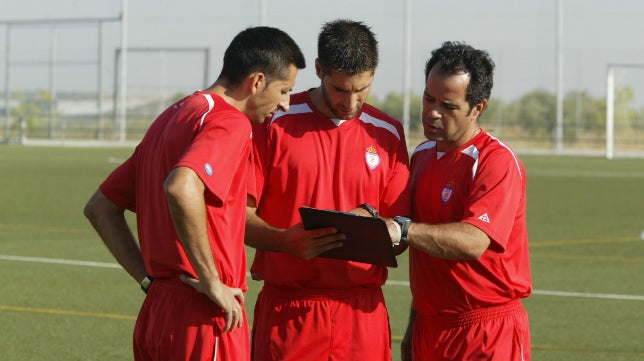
{"points": [[23, 129]]}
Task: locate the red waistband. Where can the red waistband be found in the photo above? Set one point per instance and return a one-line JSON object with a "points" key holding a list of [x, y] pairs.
{"points": [[317, 293], [175, 285], [466, 318]]}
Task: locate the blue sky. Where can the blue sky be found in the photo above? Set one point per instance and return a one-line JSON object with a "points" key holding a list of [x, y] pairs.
{"points": [[519, 34]]}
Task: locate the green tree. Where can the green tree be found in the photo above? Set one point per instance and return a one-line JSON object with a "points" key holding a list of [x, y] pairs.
{"points": [[33, 107], [625, 115], [393, 105], [494, 115], [535, 111], [583, 112]]}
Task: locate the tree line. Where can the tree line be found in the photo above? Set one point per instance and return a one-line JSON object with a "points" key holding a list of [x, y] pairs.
{"points": [[536, 111]]}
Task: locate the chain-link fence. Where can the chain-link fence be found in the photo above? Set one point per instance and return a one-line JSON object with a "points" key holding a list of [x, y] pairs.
{"points": [[74, 95]]}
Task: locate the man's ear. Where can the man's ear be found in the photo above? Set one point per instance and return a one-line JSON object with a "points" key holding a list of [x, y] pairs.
{"points": [[257, 82], [318, 69], [479, 108]]}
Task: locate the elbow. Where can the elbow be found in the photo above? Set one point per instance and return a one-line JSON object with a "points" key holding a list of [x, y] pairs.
{"points": [[88, 211], [92, 207], [98, 207], [170, 189], [181, 184], [478, 242], [174, 188], [477, 249]]}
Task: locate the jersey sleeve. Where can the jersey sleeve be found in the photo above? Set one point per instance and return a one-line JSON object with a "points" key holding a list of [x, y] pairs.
{"points": [[260, 158], [396, 197], [497, 192], [216, 150], [120, 187], [251, 186]]}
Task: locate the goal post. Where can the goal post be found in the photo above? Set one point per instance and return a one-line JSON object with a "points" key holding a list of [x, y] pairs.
{"points": [[610, 104], [120, 106]]}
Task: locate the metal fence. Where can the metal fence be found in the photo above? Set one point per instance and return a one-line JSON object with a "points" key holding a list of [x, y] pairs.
{"points": [[76, 95]]}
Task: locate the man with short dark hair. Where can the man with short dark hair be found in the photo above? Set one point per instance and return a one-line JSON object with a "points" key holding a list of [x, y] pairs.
{"points": [[187, 183], [330, 150]]}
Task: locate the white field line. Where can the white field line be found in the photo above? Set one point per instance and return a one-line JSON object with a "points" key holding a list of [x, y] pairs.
{"points": [[388, 283], [557, 293], [59, 261], [589, 295]]}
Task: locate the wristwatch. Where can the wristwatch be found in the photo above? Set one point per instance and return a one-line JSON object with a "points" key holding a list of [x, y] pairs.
{"points": [[146, 283], [367, 207], [404, 223]]}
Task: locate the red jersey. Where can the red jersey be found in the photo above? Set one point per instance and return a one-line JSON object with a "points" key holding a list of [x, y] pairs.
{"points": [[307, 159], [482, 183], [211, 137]]}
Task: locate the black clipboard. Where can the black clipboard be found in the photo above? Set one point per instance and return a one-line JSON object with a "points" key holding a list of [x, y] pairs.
{"points": [[367, 239]]}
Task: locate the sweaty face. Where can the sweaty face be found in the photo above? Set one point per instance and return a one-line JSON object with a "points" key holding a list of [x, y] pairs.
{"points": [[447, 117], [343, 94], [274, 97]]}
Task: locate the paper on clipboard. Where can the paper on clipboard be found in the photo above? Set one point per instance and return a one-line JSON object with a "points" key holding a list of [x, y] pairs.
{"points": [[367, 239]]}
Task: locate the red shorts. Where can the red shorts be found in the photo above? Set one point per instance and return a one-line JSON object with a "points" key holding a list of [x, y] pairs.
{"points": [[304, 324], [176, 323], [499, 333]]}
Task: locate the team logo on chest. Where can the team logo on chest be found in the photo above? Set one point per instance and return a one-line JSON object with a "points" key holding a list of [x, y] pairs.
{"points": [[372, 158], [447, 192]]}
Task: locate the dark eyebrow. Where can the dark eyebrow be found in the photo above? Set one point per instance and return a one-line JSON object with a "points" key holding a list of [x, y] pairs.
{"points": [[365, 87], [357, 91], [446, 103]]}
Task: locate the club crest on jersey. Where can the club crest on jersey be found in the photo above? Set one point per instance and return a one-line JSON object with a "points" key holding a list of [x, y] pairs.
{"points": [[372, 157], [447, 192]]}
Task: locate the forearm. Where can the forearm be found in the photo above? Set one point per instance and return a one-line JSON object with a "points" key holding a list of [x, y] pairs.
{"points": [[296, 240], [456, 240], [109, 222], [259, 234], [186, 203]]}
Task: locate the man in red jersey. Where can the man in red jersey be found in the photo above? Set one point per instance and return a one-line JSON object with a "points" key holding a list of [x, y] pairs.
{"points": [[330, 150], [187, 182], [468, 242]]}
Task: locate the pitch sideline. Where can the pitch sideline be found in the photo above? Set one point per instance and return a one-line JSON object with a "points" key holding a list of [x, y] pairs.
{"points": [[388, 283]]}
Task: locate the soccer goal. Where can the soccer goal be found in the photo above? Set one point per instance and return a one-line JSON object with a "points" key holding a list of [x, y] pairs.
{"points": [[40, 70]]}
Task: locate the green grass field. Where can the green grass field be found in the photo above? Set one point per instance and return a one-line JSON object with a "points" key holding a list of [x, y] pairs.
{"points": [[62, 298]]}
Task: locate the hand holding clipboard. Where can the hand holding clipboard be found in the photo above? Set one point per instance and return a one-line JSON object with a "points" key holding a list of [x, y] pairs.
{"points": [[367, 241]]}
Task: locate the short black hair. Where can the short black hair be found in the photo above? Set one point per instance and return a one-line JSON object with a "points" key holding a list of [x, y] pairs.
{"points": [[347, 46], [262, 48], [459, 57]]}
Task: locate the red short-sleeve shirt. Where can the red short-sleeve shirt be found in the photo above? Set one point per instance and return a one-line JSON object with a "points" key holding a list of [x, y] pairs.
{"points": [[482, 183], [206, 134]]}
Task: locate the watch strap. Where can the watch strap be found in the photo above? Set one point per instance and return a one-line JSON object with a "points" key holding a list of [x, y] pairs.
{"points": [[367, 207], [404, 223]]}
